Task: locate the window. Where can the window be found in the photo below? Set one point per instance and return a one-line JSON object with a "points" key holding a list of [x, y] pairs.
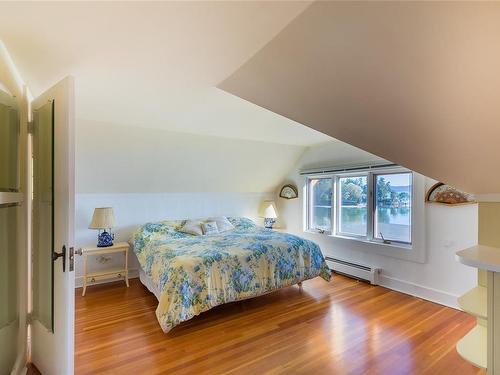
{"points": [[353, 205], [392, 219], [373, 205], [320, 204]]}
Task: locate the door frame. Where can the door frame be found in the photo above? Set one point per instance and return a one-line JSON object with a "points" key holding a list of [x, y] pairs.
{"points": [[11, 80]]}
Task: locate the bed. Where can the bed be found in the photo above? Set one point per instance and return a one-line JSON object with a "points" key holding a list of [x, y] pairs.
{"points": [[191, 274]]}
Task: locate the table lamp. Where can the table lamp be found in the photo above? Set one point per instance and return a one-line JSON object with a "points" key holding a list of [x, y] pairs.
{"points": [[103, 219], [268, 212]]}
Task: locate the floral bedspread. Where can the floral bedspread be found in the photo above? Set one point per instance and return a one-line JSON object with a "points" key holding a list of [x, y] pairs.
{"points": [[196, 273]]}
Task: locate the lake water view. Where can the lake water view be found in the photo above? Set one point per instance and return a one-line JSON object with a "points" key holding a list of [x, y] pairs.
{"points": [[394, 223]]}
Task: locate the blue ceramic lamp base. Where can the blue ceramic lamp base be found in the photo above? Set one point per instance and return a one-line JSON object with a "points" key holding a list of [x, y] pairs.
{"points": [[268, 223], [105, 239]]}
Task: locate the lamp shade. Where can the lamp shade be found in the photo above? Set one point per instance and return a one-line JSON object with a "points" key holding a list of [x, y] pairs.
{"points": [[268, 210], [103, 218]]}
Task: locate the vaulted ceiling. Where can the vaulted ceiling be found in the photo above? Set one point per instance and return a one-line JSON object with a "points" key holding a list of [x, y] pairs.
{"points": [[417, 83], [153, 64]]}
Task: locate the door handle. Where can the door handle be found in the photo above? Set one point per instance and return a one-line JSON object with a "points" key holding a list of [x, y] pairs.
{"points": [[62, 254]]}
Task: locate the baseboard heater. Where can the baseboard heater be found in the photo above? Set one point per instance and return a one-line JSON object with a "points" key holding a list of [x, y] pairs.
{"points": [[357, 271]]}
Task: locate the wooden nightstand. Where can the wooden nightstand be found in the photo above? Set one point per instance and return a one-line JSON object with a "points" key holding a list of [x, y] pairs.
{"points": [[120, 272]]}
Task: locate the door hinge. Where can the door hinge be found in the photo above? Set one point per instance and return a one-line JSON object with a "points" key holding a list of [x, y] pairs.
{"points": [[62, 255], [31, 127]]}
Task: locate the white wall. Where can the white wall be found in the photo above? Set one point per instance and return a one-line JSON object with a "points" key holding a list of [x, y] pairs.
{"points": [[150, 175], [120, 159], [448, 229]]}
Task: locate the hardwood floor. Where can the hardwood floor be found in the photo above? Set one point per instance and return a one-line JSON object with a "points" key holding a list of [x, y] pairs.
{"points": [[342, 327]]}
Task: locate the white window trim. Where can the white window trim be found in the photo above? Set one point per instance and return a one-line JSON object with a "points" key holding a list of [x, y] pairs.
{"points": [[308, 205], [416, 251], [374, 235], [370, 206], [336, 214]]}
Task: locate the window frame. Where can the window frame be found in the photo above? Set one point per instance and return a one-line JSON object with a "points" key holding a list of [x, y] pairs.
{"points": [[374, 200], [309, 205], [338, 196], [370, 174]]}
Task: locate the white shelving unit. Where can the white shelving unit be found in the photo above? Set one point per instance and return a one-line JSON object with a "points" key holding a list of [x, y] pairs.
{"points": [[473, 346], [475, 302], [482, 257], [481, 346]]}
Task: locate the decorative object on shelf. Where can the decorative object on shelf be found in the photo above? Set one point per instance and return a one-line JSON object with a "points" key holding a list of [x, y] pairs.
{"points": [[289, 192], [269, 213], [445, 194], [103, 219]]}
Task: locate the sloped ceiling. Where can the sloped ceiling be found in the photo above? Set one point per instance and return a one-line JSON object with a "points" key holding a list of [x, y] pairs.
{"points": [[417, 83], [153, 64]]}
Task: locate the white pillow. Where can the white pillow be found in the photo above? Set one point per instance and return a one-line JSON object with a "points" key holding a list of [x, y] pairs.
{"points": [[192, 227], [223, 224], [210, 227]]}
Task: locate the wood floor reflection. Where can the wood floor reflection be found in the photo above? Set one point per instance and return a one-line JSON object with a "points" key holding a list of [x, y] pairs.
{"points": [[341, 327]]}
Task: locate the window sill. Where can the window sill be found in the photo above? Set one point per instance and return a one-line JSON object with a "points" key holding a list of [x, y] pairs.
{"points": [[311, 231], [378, 243], [362, 240]]}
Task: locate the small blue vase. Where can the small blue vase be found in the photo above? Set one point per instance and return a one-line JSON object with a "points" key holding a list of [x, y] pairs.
{"points": [[105, 239], [268, 223]]}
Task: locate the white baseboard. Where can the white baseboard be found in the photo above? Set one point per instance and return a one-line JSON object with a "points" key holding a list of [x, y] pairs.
{"points": [[132, 274], [420, 291]]}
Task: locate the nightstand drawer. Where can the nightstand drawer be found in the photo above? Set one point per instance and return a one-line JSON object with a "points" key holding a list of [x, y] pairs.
{"points": [[117, 273]]}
